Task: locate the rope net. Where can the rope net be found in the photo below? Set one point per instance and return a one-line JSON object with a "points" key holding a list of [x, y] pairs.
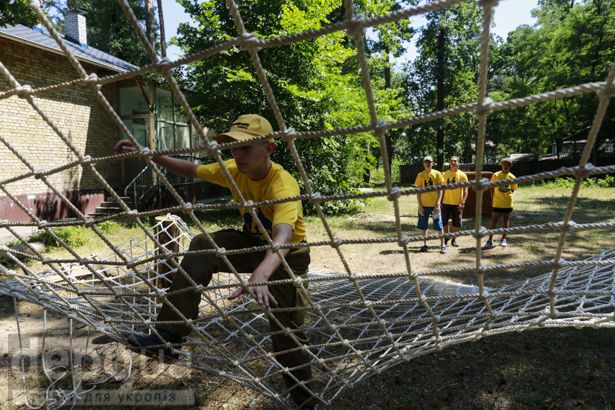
{"points": [[359, 324]]}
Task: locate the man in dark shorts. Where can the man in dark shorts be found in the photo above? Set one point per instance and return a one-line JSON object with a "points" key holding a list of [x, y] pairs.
{"points": [[453, 200], [502, 201]]}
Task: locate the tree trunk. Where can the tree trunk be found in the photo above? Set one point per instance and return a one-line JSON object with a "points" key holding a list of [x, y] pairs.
{"points": [[163, 40], [440, 94], [387, 84], [149, 21]]}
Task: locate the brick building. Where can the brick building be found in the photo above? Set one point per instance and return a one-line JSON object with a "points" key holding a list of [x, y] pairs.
{"points": [[34, 58]]}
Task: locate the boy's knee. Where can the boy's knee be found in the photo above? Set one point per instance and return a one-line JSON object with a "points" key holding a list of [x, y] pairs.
{"points": [[200, 242]]}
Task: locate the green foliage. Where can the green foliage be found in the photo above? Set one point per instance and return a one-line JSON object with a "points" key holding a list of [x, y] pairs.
{"points": [[572, 43], [316, 83], [73, 236], [448, 48], [16, 12], [110, 31], [607, 181], [108, 226]]}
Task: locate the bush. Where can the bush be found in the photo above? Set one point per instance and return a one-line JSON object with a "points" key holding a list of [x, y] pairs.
{"points": [[108, 226], [73, 236], [568, 182]]}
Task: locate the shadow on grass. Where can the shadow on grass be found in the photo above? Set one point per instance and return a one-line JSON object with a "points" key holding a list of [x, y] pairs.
{"points": [[586, 209], [547, 368]]}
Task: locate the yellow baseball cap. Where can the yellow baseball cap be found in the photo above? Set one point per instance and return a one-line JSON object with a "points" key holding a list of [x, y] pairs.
{"points": [[246, 127]]}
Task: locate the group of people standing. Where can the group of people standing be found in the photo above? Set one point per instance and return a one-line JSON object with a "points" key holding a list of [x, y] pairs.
{"points": [[448, 204]]}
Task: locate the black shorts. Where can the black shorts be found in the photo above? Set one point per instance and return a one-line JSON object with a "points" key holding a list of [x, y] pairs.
{"points": [[502, 210], [451, 211]]}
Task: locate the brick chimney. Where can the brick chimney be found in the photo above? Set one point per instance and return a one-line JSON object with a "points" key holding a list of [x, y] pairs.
{"points": [[75, 28]]}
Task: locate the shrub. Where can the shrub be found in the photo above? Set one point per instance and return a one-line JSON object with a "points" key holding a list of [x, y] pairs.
{"points": [[108, 226], [568, 182], [73, 236]]}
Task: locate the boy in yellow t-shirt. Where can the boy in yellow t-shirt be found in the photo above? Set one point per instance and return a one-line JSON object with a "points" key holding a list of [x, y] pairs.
{"points": [[429, 202], [258, 179], [453, 200], [502, 201]]}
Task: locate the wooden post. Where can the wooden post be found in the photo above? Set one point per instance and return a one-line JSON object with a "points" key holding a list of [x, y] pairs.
{"points": [[167, 234], [468, 211]]}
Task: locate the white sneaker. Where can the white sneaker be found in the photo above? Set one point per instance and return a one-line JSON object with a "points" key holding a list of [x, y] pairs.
{"points": [[503, 243], [443, 250], [488, 245]]}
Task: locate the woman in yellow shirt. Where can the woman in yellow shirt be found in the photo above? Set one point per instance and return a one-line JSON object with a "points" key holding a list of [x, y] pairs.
{"points": [[502, 201]]}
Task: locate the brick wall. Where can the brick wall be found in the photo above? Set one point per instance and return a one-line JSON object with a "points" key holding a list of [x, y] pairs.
{"points": [[75, 111]]}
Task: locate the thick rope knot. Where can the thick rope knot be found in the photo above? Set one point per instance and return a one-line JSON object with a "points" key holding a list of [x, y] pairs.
{"points": [[485, 107], [589, 167], [146, 152], [162, 65], [394, 194], [24, 90], [315, 197], [481, 232], [336, 242], [480, 184], [405, 240], [249, 41], [187, 207], [39, 173], [275, 246], [356, 26], [289, 134], [212, 147], [93, 81]]}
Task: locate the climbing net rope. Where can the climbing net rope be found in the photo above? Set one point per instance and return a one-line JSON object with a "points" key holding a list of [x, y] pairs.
{"points": [[358, 324]]}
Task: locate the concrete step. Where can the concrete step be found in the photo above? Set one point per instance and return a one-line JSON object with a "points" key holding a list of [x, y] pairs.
{"points": [[109, 209]]}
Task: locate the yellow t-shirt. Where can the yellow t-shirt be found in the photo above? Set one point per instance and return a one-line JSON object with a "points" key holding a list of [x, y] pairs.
{"points": [[428, 179], [502, 195], [453, 196], [278, 184]]}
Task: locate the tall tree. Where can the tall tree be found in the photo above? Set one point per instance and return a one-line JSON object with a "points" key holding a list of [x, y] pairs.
{"points": [[444, 74], [572, 43], [16, 12], [385, 43], [316, 83]]}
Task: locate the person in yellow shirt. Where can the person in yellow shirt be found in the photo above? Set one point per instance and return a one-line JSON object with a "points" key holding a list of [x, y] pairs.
{"points": [[502, 201], [259, 179], [429, 202], [453, 200]]}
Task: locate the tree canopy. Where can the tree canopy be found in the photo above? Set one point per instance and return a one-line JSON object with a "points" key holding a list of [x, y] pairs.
{"points": [[318, 85]]}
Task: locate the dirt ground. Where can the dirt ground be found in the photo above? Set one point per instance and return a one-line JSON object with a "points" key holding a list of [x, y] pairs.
{"points": [[546, 369]]}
